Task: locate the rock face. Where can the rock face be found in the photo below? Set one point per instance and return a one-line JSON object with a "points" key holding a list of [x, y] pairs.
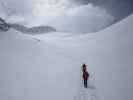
{"points": [[33, 30], [3, 25]]}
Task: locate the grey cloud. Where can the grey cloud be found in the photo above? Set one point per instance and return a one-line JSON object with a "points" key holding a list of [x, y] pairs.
{"points": [[86, 18], [118, 8], [12, 7]]}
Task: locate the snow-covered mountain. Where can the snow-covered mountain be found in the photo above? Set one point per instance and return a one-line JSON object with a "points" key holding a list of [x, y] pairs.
{"points": [[4, 26], [51, 68], [33, 30]]}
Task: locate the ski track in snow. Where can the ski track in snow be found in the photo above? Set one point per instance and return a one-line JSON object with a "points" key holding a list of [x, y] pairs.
{"points": [[90, 93]]}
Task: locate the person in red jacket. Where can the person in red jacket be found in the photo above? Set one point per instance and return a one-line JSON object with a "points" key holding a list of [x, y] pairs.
{"points": [[85, 74]]}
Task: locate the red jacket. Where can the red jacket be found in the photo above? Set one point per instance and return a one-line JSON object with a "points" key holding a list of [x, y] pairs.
{"points": [[85, 75]]}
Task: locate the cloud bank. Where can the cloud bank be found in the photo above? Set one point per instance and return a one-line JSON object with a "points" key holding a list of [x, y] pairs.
{"points": [[64, 15]]}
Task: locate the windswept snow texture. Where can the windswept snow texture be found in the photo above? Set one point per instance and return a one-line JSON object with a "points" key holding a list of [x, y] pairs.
{"points": [[50, 69]]}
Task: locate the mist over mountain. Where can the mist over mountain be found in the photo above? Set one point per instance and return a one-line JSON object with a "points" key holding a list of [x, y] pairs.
{"points": [[66, 15]]}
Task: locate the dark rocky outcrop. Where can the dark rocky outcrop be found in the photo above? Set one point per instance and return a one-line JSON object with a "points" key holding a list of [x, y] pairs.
{"points": [[3, 25]]}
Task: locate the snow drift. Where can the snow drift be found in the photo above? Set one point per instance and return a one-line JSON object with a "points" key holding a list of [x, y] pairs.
{"points": [[51, 69]]}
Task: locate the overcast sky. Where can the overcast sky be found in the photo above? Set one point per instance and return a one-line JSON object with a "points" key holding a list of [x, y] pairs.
{"points": [[68, 15]]}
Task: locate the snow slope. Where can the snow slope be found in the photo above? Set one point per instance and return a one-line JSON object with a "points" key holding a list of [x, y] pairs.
{"points": [[51, 69], [108, 54], [34, 71]]}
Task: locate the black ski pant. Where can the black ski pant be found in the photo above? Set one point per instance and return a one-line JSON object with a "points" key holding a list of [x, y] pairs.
{"points": [[85, 83]]}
